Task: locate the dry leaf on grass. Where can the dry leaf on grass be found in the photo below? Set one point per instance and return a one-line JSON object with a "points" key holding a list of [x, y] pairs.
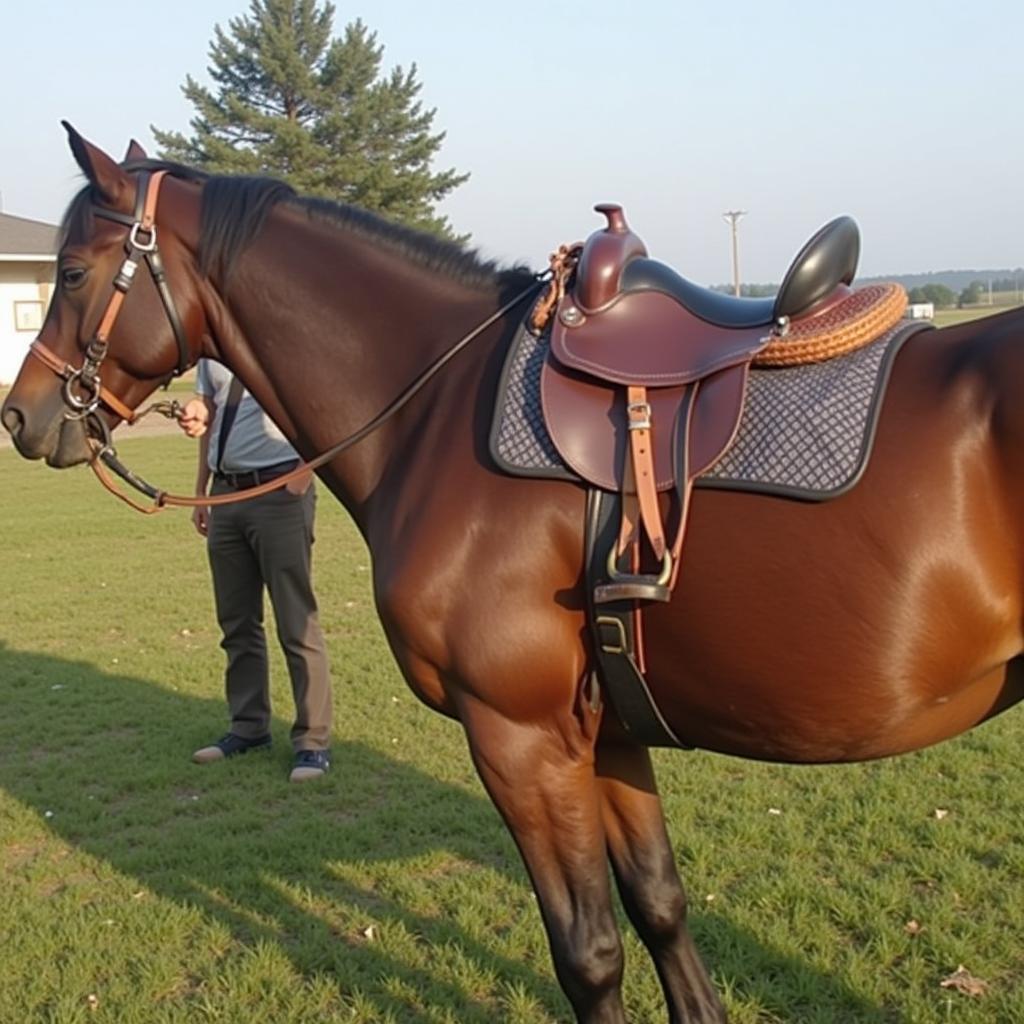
{"points": [[963, 981]]}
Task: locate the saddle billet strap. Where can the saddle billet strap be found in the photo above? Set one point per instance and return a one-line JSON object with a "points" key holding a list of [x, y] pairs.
{"points": [[613, 634], [634, 513], [641, 450]]}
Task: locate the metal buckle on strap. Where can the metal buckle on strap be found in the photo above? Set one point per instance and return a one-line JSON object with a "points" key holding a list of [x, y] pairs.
{"points": [[612, 635], [87, 404], [136, 243], [628, 586], [639, 414]]}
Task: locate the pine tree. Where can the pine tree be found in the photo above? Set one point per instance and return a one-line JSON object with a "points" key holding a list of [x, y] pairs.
{"points": [[315, 111]]}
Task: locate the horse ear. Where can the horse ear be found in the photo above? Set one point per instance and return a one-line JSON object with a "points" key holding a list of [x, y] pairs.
{"points": [[103, 173], [135, 152]]}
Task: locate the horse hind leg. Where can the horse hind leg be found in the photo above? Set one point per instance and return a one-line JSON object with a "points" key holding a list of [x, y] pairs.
{"points": [[544, 788], [649, 883]]}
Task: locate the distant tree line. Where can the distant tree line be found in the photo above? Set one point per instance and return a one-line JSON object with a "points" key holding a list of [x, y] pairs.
{"points": [[938, 294], [1009, 284], [972, 295]]}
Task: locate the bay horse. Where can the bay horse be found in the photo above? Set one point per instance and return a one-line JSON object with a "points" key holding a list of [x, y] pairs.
{"points": [[879, 622]]}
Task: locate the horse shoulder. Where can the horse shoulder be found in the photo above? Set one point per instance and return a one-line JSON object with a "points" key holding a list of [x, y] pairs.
{"points": [[478, 592]]}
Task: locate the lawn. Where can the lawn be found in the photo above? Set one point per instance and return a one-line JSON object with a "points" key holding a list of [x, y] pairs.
{"points": [[137, 887], [1001, 302]]}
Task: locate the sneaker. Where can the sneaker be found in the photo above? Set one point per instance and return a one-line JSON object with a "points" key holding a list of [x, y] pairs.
{"points": [[310, 764], [228, 746]]}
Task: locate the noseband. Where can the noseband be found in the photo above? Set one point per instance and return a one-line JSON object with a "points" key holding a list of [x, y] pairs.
{"points": [[83, 390]]}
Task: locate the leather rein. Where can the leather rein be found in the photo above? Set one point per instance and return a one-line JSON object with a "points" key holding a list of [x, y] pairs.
{"points": [[84, 392]]}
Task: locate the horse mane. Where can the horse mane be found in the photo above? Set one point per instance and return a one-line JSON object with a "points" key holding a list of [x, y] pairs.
{"points": [[235, 207]]}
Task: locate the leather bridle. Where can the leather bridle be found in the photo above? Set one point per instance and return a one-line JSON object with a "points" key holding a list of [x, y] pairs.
{"points": [[142, 244], [83, 390]]}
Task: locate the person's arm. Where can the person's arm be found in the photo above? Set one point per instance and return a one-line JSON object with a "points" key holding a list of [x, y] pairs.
{"points": [[195, 421]]}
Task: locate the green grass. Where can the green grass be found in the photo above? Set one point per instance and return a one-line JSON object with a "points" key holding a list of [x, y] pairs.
{"points": [[1001, 302], [137, 887]]}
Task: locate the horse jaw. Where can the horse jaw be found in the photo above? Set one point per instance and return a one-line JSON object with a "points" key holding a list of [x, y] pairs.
{"points": [[72, 447]]}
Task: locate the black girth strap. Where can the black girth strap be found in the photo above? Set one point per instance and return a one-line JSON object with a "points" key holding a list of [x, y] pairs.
{"points": [[227, 419], [612, 633]]}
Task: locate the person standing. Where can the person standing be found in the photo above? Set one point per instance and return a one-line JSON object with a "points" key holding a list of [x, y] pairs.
{"points": [[257, 545]]}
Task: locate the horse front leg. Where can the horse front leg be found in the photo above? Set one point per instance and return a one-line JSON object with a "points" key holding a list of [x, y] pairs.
{"points": [[541, 778], [649, 884]]}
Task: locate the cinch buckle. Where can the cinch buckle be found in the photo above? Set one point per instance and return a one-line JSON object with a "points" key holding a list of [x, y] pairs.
{"points": [[660, 580]]}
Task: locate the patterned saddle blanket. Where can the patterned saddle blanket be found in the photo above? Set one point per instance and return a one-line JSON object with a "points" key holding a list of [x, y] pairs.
{"points": [[806, 431]]}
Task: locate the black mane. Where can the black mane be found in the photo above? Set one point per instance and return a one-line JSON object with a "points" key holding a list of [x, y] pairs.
{"points": [[234, 208]]}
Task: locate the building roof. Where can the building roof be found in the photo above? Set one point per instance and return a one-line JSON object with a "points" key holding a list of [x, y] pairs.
{"points": [[22, 237]]}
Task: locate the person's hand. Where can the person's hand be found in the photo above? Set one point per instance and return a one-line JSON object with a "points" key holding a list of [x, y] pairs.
{"points": [[201, 519], [300, 484], [195, 418]]}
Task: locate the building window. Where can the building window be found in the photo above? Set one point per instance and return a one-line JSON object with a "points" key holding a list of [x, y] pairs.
{"points": [[28, 315]]}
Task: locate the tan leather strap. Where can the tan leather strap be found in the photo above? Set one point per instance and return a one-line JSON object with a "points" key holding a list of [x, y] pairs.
{"points": [[149, 210], [685, 485], [165, 500], [628, 528], [638, 415], [146, 224]]}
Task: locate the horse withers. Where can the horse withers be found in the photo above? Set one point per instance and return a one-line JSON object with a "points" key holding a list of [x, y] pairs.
{"points": [[881, 621]]}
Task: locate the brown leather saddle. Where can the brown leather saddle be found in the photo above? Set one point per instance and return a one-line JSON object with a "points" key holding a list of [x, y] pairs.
{"points": [[644, 386]]}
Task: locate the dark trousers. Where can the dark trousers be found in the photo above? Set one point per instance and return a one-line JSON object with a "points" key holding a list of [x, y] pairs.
{"points": [[266, 542]]}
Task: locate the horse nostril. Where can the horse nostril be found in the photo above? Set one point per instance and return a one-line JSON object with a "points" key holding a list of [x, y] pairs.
{"points": [[12, 419]]}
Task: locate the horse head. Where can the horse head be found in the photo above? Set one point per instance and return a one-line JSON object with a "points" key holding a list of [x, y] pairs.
{"points": [[113, 332]]}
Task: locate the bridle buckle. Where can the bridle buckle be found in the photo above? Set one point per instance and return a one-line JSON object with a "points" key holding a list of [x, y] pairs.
{"points": [[136, 243]]}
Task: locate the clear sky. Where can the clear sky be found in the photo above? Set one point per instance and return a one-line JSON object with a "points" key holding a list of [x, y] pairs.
{"points": [[908, 115]]}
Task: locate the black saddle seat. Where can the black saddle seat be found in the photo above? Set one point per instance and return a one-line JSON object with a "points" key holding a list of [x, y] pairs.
{"points": [[826, 261]]}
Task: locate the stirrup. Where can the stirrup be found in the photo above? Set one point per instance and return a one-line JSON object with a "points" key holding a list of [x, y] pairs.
{"points": [[635, 586]]}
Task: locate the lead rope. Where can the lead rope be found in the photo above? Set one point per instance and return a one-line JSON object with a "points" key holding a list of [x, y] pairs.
{"points": [[104, 450]]}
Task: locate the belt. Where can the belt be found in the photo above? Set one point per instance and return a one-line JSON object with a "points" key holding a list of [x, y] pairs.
{"points": [[255, 477]]}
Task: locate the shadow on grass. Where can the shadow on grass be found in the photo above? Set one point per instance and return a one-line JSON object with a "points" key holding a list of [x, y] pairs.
{"points": [[127, 795]]}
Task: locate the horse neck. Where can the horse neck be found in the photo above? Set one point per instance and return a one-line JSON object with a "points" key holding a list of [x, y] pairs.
{"points": [[326, 328]]}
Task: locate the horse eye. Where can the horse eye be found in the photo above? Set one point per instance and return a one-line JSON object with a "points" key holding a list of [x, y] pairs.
{"points": [[72, 277]]}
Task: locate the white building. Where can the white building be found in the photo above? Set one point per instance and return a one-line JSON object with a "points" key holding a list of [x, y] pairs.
{"points": [[27, 263], [920, 311]]}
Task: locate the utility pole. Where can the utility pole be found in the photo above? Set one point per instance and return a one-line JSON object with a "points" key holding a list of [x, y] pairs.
{"points": [[733, 217]]}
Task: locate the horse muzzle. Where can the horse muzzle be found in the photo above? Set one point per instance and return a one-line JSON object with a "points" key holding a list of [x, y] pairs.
{"points": [[46, 434]]}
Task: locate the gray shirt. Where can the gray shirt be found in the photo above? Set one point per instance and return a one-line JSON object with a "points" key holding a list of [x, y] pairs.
{"points": [[254, 441]]}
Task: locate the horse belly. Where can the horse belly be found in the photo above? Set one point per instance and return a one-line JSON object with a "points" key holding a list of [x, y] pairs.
{"points": [[812, 633]]}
